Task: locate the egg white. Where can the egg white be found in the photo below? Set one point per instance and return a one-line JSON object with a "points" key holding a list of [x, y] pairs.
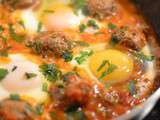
{"points": [[16, 82]]}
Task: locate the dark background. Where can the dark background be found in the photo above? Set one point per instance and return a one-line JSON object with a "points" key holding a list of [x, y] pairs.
{"points": [[151, 9], [155, 114]]}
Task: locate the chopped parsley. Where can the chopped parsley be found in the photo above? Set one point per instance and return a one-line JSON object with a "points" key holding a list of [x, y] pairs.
{"points": [[3, 73], [30, 75], [39, 28], [131, 87], [79, 5], [67, 56], [111, 67], [114, 40], [104, 62], [93, 24], [14, 36], [39, 109], [1, 29], [83, 56], [21, 22], [14, 97], [112, 26], [107, 86], [82, 28], [45, 87], [51, 72], [142, 57]]}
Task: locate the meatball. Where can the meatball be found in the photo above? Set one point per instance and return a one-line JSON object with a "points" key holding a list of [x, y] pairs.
{"points": [[20, 4], [50, 42], [75, 91], [84, 94], [16, 110], [128, 38], [78, 90], [101, 8], [81, 91]]}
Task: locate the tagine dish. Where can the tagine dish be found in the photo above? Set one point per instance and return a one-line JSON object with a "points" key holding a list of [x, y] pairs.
{"points": [[73, 59]]}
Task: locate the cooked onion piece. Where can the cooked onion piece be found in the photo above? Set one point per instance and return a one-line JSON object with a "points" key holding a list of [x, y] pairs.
{"points": [[123, 65]]}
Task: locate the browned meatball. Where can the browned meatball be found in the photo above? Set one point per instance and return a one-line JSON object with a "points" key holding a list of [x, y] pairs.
{"points": [[81, 91], [50, 42], [84, 94], [101, 8], [76, 90], [16, 110], [129, 38], [20, 4]]}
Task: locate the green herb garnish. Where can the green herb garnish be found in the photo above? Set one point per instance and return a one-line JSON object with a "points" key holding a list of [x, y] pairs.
{"points": [[14, 97], [93, 24], [104, 62], [82, 28], [14, 36], [83, 56], [39, 28], [79, 5], [39, 109], [109, 69], [30, 75], [142, 57], [1, 29], [112, 26], [67, 56], [21, 22], [131, 87], [3, 73], [45, 87], [51, 72]]}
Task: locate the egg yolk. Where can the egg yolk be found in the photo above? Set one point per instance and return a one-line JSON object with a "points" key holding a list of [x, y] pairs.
{"points": [[122, 62]]}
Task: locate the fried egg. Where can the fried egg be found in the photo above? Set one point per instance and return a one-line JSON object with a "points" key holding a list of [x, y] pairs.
{"points": [[122, 62], [124, 66]]}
